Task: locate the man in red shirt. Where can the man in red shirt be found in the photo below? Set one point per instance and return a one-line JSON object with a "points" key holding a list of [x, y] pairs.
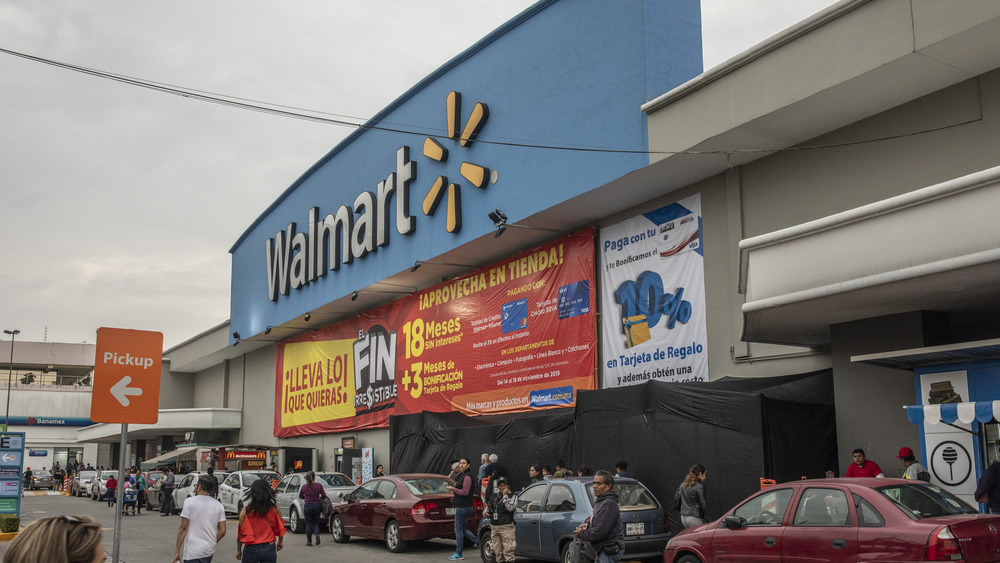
{"points": [[863, 467]]}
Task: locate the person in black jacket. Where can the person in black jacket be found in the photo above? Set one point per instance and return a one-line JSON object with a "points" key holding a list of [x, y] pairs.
{"points": [[464, 491], [690, 497], [988, 489], [604, 528], [500, 511]]}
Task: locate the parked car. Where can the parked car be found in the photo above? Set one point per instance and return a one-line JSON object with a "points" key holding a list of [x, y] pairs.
{"points": [[844, 520], [336, 486], [81, 483], [99, 487], [232, 489], [399, 509], [42, 479], [154, 495], [549, 511], [185, 488]]}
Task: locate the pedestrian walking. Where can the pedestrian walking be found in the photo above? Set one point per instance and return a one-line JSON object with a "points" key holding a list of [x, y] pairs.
{"points": [[167, 489], [260, 533], [988, 488], [140, 487], [604, 527], [58, 538], [464, 492], [690, 497], [112, 487], [312, 495], [500, 511], [203, 525]]}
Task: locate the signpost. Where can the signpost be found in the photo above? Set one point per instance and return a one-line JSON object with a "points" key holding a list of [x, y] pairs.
{"points": [[11, 466], [126, 390]]}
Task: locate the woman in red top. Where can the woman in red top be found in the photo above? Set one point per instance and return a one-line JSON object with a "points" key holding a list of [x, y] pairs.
{"points": [[260, 524], [312, 495], [112, 486]]}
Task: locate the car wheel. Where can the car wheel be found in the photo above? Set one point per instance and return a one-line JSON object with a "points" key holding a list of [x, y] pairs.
{"points": [[393, 540], [564, 555], [689, 559], [295, 522], [337, 529], [486, 547]]}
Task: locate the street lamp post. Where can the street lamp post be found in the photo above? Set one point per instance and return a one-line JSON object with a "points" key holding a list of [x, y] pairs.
{"points": [[10, 374]]}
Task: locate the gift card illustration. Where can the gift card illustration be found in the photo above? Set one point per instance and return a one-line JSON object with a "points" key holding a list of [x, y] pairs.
{"points": [[636, 330], [515, 315], [679, 235], [574, 299]]}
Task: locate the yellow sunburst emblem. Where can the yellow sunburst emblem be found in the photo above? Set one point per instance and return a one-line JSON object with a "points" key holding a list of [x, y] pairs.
{"points": [[478, 176]]}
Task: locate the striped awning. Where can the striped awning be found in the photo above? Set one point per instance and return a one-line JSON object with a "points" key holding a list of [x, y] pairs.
{"points": [[981, 411]]}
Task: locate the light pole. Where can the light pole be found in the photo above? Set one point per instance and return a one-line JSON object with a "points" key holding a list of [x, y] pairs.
{"points": [[10, 373]]}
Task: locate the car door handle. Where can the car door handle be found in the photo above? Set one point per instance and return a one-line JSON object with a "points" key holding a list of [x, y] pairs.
{"points": [[771, 541], [839, 543]]}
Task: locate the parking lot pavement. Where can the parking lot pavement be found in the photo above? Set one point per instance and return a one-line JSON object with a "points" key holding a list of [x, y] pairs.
{"points": [[151, 537]]}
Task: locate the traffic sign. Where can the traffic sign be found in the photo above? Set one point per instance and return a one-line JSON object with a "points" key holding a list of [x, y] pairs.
{"points": [[127, 376]]}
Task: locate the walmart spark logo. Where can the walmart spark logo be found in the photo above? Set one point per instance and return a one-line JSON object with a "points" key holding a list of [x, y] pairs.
{"points": [[478, 176]]}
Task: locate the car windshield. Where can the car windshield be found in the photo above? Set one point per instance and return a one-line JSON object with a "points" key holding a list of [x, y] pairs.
{"points": [[631, 496], [88, 474], [154, 476], [428, 485], [334, 480], [249, 478], [42, 473], [108, 474], [924, 500]]}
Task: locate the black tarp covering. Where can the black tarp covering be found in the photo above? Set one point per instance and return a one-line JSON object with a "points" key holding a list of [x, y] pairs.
{"points": [[781, 428]]}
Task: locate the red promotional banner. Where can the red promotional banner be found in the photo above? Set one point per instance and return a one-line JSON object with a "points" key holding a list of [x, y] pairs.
{"points": [[513, 336]]}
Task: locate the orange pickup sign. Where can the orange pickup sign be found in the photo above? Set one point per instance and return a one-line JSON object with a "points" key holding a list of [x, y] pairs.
{"points": [[127, 376]]}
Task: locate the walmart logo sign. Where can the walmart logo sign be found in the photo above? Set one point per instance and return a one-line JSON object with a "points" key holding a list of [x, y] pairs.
{"points": [[296, 257]]}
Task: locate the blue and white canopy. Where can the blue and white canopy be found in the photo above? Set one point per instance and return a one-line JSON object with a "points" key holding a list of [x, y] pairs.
{"points": [[981, 411]]}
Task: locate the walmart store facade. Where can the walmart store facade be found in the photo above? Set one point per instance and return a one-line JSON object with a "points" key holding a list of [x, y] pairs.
{"points": [[572, 204]]}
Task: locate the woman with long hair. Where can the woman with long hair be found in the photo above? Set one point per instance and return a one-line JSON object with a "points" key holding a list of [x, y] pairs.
{"points": [[259, 525], [312, 495], [690, 497], [58, 539]]}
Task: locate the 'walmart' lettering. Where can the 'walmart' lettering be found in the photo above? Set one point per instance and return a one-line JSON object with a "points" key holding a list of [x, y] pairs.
{"points": [[296, 258]]}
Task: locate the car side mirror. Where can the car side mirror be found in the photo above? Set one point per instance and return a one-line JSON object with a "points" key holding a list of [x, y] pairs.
{"points": [[346, 497], [734, 523]]}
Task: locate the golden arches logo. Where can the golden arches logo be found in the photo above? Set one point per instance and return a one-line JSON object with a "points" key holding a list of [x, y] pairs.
{"points": [[478, 176]]}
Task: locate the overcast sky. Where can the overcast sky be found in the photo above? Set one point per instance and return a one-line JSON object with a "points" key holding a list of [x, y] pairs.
{"points": [[118, 204]]}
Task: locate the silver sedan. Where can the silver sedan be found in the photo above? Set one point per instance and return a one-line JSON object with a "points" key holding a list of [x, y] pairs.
{"points": [[292, 507]]}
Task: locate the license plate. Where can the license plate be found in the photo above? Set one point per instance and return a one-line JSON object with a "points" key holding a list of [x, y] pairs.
{"points": [[449, 511], [635, 528]]}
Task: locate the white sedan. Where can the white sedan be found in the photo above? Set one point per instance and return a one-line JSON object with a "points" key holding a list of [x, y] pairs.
{"points": [[335, 484], [185, 489], [232, 489]]}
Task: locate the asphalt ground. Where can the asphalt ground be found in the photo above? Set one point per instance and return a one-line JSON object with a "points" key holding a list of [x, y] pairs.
{"points": [[151, 537]]}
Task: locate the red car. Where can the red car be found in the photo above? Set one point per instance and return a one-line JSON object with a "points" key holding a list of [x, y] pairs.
{"points": [[399, 509], [844, 520]]}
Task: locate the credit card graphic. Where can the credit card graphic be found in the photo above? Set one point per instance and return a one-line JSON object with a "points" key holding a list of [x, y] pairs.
{"points": [[679, 235], [574, 299], [515, 315]]}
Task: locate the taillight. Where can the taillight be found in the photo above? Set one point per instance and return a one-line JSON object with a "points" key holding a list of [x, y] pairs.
{"points": [[942, 546], [423, 507], [477, 505]]}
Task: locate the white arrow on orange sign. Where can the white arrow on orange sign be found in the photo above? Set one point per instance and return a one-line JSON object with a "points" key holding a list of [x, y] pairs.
{"points": [[121, 390]]}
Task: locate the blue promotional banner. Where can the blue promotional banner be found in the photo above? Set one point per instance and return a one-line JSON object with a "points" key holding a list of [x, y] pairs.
{"points": [[653, 292]]}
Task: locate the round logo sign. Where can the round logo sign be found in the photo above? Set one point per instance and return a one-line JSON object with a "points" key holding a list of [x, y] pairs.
{"points": [[951, 463]]}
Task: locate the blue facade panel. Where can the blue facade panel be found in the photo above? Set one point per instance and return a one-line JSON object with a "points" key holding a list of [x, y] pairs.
{"points": [[570, 74]]}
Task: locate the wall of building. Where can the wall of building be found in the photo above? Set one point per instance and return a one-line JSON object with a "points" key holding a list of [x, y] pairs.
{"points": [[210, 386]]}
